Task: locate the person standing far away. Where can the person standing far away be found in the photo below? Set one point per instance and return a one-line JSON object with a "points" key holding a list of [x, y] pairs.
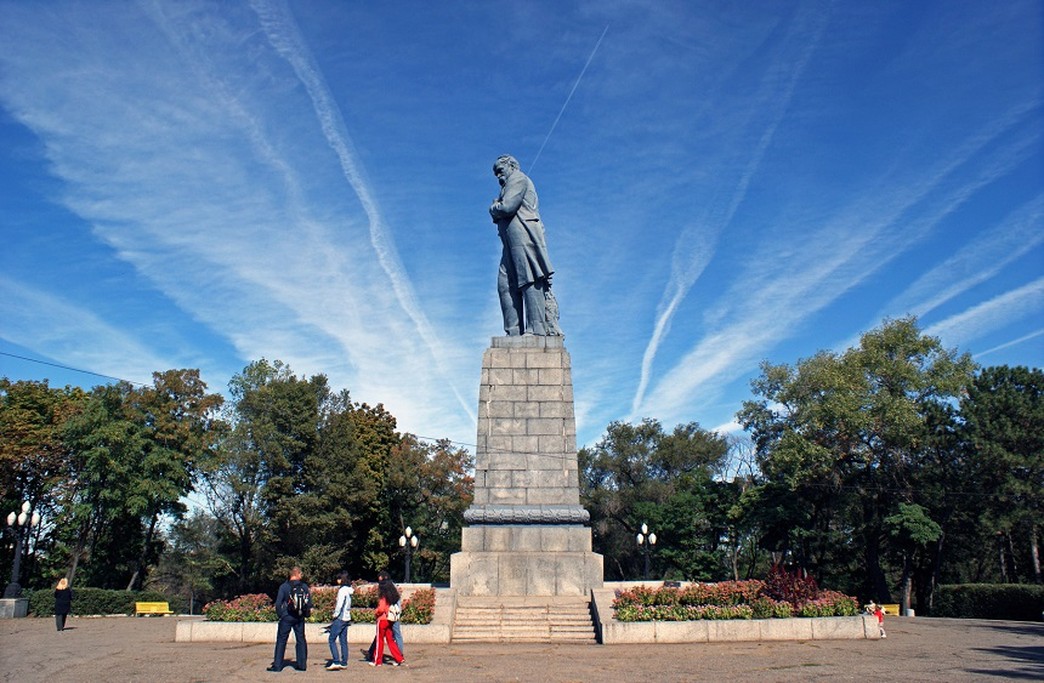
{"points": [[388, 596], [293, 605], [342, 619], [63, 596]]}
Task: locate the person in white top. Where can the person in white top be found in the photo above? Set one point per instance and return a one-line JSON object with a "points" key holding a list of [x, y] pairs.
{"points": [[342, 619]]}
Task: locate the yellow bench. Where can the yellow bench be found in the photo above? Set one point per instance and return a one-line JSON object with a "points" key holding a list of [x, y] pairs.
{"points": [[890, 610], [141, 608]]}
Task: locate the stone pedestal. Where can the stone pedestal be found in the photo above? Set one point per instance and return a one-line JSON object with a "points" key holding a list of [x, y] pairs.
{"points": [[526, 533], [13, 608]]}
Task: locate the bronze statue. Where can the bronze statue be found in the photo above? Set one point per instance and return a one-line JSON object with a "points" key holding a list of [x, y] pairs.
{"points": [[524, 280]]}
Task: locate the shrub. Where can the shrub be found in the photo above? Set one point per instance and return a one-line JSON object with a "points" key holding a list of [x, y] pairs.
{"points": [[102, 601], [767, 608], [418, 609], [1018, 602], [732, 600], [256, 607], [723, 593], [683, 612], [791, 587], [829, 604]]}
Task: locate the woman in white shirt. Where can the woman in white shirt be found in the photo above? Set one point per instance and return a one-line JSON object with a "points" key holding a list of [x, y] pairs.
{"points": [[342, 619]]}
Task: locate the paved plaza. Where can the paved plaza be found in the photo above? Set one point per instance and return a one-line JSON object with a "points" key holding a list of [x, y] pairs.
{"points": [[115, 649]]}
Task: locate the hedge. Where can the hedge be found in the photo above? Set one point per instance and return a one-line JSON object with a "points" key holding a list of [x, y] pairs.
{"points": [[1013, 601], [102, 601]]}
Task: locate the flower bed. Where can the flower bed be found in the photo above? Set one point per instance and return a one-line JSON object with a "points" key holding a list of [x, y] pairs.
{"points": [[727, 600], [418, 608]]}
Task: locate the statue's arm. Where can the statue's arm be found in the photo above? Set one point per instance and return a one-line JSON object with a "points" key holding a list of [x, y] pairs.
{"points": [[510, 198]]}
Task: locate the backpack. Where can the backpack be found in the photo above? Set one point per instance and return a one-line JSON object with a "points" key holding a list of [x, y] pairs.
{"points": [[300, 602], [394, 612]]}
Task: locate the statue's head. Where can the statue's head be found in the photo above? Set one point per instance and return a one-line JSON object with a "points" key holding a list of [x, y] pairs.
{"points": [[504, 166]]}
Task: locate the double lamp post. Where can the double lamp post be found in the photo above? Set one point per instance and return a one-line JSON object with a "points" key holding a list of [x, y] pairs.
{"points": [[19, 523], [646, 541], [408, 542]]}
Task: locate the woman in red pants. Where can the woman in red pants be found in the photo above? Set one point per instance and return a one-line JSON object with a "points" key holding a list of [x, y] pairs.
{"points": [[387, 596]]}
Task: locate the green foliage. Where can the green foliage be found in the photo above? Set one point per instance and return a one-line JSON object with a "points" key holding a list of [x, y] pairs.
{"points": [[102, 601], [1004, 425], [845, 436], [888, 465], [728, 600], [1017, 602], [911, 526], [767, 608], [307, 477], [640, 474]]}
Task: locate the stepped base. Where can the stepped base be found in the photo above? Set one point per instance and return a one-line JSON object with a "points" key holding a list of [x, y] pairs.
{"points": [[524, 620]]}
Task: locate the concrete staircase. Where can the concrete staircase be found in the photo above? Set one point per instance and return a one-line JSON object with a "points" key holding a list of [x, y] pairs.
{"points": [[529, 619]]}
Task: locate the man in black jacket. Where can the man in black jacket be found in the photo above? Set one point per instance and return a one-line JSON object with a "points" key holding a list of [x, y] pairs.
{"points": [[291, 618]]}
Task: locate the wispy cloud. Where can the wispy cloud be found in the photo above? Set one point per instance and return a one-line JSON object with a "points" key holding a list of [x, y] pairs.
{"points": [[993, 314], [976, 262], [282, 32], [695, 246], [781, 289], [37, 319], [157, 138], [1014, 342]]}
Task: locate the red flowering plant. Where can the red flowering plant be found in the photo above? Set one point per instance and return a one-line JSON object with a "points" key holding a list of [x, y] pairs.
{"points": [[794, 587], [783, 595], [257, 607], [418, 608]]}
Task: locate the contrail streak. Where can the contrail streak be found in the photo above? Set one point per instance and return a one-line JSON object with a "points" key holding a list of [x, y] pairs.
{"points": [[282, 33], [570, 96]]}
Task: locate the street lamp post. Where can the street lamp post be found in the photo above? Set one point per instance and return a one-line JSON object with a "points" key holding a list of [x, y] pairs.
{"points": [[408, 542], [646, 541], [20, 523]]}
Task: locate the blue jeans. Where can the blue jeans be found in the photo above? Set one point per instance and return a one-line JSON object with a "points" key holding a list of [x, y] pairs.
{"points": [[339, 632], [286, 624]]}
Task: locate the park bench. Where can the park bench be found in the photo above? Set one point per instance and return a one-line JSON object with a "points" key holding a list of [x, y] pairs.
{"points": [[141, 608], [890, 610]]}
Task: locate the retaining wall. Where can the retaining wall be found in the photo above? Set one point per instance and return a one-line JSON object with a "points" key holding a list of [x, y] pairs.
{"points": [[613, 632], [609, 630]]}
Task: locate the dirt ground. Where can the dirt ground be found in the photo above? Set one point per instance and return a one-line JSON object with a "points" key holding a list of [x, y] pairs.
{"points": [[115, 649]]}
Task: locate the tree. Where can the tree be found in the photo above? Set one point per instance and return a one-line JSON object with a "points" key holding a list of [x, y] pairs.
{"points": [[302, 478], [1004, 424], [33, 454], [846, 435], [105, 444], [133, 454], [192, 562], [262, 443], [180, 431], [912, 530], [429, 488], [640, 474]]}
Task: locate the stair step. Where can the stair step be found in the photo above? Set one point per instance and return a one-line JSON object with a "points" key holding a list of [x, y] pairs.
{"points": [[523, 619]]}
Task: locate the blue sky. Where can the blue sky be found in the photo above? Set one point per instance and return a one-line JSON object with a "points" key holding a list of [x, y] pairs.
{"points": [[202, 184]]}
